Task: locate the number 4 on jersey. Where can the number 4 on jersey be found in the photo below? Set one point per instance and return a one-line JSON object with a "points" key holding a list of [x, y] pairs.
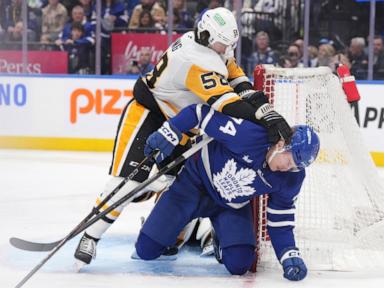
{"points": [[229, 127]]}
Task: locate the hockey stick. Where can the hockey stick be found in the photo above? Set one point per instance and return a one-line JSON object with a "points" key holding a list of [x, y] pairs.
{"points": [[127, 198], [40, 247]]}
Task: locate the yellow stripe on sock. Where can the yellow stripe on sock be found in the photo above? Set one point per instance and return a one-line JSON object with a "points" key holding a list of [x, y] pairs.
{"points": [[113, 213]]}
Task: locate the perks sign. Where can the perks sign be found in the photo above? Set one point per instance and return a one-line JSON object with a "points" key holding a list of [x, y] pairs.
{"points": [[126, 48], [54, 62]]}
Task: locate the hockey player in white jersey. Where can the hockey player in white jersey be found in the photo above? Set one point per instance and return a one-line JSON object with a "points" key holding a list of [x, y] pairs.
{"points": [[218, 182], [197, 68]]}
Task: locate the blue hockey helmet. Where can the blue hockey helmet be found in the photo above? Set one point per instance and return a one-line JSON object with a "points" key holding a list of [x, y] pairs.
{"points": [[304, 145]]}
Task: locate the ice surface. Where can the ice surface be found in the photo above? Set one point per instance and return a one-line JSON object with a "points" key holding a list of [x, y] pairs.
{"points": [[44, 194]]}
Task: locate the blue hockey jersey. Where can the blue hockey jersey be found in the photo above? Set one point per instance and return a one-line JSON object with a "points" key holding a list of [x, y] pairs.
{"points": [[234, 170]]}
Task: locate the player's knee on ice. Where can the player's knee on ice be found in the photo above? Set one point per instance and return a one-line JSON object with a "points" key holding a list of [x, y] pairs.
{"points": [[238, 259], [147, 248]]}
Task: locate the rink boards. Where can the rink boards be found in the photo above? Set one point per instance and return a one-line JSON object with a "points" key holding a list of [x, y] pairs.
{"points": [[82, 112]]}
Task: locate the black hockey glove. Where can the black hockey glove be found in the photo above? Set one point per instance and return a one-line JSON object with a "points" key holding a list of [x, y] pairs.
{"points": [[276, 125]]}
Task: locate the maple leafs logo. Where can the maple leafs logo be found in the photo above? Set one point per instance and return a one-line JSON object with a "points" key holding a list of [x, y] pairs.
{"points": [[232, 183]]}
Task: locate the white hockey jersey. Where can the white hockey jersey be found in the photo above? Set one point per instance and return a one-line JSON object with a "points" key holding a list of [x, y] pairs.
{"points": [[190, 73]]}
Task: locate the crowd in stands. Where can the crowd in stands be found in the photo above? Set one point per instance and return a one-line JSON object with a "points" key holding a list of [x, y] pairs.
{"points": [[266, 37]]}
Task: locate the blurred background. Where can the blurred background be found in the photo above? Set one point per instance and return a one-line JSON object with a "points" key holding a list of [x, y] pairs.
{"points": [[128, 36]]}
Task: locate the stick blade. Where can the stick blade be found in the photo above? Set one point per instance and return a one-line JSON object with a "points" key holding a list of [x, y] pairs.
{"points": [[32, 246]]}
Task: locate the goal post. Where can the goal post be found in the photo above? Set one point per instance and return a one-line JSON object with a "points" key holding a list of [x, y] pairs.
{"points": [[340, 210]]}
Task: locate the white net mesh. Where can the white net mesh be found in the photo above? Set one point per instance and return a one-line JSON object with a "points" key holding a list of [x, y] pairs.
{"points": [[340, 210]]}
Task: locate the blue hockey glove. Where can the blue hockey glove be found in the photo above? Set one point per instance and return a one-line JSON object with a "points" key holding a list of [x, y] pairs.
{"points": [[164, 139], [293, 265]]}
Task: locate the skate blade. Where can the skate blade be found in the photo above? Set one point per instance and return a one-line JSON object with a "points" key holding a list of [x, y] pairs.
{"points": [[134, 256], [79, 265], [207, 251]]}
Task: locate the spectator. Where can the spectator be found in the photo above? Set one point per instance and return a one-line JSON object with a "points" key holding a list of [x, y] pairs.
{"points": [[300, 43], [143, 65], [2, 21], [326, 53], [378, 58], [263, 54], [113, 15], [3, 5], [130, 5], [248, 32], [182, 19], [35, 15], [54, 17], [78, 49], [326, 41], [12, 15], [69, 4], [215, 3], [312, 54], [284, 62], [358, 58], [2, 33], [15, 36], [339, 59], [274, 7], [203, 5], [78, 43], [77, 16], [146, 20], [294, 56], [311, 61], [157, 12], [87, 6]]}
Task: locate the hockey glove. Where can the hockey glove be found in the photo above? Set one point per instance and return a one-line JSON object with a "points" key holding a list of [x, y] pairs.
{"points": [[165, 139], [293, 266], [276, 125]]}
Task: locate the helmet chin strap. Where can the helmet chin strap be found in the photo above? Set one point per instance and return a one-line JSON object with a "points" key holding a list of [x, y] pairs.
{"points": [[273, 154], [228, 54]]}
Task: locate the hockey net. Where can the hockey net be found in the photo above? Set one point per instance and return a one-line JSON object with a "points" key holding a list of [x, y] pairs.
{"points": [[340, 209]]}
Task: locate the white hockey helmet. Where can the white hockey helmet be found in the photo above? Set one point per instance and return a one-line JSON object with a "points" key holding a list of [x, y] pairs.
{"points": [[221, 25]]}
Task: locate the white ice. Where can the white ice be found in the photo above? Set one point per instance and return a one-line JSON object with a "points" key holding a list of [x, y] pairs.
{"points": [[44, 194]]}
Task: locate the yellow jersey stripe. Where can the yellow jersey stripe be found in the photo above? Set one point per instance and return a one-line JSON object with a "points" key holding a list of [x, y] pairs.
{"points": [[113, 213], [234, 71], [206, 84], [231, 100], [223, 99], [238, 80], [134, 114]]}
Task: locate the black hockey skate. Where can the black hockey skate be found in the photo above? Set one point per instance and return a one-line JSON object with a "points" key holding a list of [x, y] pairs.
{"points": [[86, 250], [216, 247]]}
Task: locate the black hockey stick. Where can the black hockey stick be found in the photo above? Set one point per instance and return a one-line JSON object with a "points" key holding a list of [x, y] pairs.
{"points": [[40, 247], [127, 198]]}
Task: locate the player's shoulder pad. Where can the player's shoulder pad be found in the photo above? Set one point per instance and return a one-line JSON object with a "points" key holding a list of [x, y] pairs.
{"points": [[202, 56]]}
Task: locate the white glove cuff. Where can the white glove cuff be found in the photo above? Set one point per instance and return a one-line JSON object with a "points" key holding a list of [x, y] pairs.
{"points": [[290, 254], [246, 93], [169, 134], [263, 110]]}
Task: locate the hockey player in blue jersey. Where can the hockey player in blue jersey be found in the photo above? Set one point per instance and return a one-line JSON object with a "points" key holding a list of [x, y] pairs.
{"points": [[219, 181]]}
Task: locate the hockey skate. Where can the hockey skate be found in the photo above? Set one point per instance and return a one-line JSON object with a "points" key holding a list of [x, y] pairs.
{"points": [[170, 254], [216, 247], [85, 251]]}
